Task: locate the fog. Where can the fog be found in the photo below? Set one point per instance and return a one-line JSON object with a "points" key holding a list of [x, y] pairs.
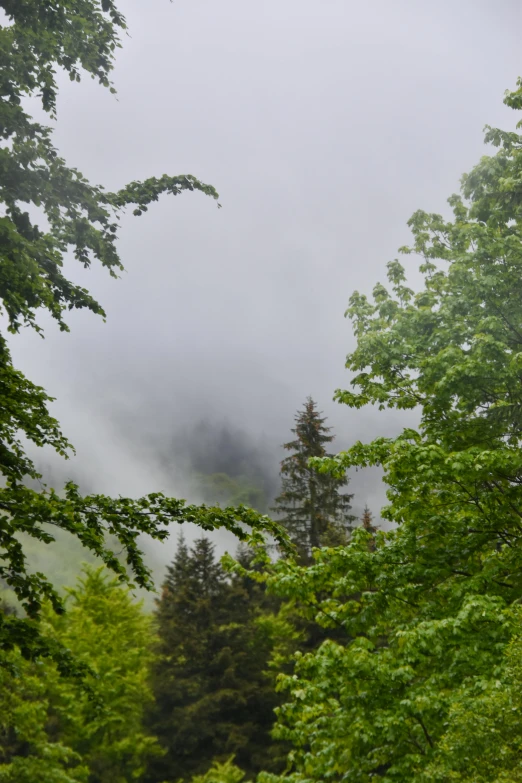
{"points": [[323, 124]]}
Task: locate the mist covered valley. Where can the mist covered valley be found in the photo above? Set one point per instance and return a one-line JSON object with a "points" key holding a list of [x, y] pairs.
{"points": [[260, 510]]}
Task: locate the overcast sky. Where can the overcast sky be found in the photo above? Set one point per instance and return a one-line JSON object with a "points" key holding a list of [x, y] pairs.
{"points": [[323, 124]]}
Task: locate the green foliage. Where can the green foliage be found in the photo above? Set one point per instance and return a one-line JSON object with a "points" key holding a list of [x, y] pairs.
{"points": [[53, 731], [418, 673], [311, 507], [107, 629], [81, 220], [26, 752], [430, 608], [221, 773], [482, 741], [212, 696]]}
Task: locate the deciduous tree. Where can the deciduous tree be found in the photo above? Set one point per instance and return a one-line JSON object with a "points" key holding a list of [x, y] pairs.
{"points": [[53, 731], [433, 605], [50, 210]]}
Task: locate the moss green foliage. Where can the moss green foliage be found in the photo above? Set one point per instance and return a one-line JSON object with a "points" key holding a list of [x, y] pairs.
{"points": [[78, 36], [221, 773], [311, 506], [426, 686], [50, 729], [106, 628]]}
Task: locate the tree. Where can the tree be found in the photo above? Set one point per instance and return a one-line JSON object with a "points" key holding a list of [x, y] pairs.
{"points": [[367, 520], [221, 773], [482, 741], [311, 507], [79, 219], [53, 731], [433, 613], [212, 695], [26, 752], [105, 627], [367, 523]]}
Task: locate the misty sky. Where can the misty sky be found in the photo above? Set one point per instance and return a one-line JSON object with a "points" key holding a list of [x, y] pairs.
{"points": [[323, 124]]}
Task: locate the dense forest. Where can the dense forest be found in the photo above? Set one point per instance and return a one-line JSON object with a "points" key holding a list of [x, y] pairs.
{"points": [[329, 646]]}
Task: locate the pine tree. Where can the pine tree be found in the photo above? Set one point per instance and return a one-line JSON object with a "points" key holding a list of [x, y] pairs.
{"points": [[367, 520], [311, 506], [367, 524], [213, 698]]}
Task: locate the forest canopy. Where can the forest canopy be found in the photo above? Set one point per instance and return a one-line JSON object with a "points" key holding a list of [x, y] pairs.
{"points": [[361, 651]]}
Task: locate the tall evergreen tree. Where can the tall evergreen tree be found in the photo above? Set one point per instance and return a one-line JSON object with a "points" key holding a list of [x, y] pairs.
{"points": [[367, 524], [213, 698], [367, 520], [311, 505]]}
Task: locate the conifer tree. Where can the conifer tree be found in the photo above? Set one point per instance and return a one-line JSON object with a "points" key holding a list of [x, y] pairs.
{"points": [[311, 505], [367, 520], [367, 524], [213, 698]]}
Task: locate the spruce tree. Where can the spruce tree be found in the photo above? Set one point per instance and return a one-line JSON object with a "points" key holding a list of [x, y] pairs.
{"points": [[367, 520], [367, 524], [311, 505], [212, 696]]}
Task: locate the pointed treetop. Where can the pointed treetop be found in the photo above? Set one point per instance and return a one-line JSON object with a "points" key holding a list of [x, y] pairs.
{"points": [[311, 505], [367, 520]]}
